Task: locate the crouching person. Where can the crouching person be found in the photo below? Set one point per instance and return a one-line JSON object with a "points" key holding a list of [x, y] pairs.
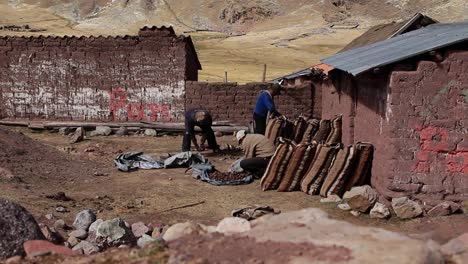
{"points": [[203, 120], [258, 151]]}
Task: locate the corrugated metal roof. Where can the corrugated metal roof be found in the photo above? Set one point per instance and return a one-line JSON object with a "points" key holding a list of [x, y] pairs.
{"points": [[398, 48]]}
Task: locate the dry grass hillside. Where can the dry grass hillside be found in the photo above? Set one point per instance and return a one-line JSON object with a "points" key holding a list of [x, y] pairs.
{"points": [[236, 36]]}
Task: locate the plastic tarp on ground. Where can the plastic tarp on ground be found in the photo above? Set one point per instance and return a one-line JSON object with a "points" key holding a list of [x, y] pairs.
{"points": [[201, 166]]}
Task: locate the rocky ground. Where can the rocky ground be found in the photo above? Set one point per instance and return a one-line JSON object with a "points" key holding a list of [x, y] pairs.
{"points": [[55, 180]]}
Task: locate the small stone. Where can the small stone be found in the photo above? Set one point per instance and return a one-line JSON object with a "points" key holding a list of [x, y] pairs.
{"points": [[231, 225], [144, 240], [101, 131], [151, 133], [139, 229], [361, 198], [84, 219], [123, 131], [38, 247], [444, 208], [355, 213], [405, 208], [331, 199], [79, 233], [51, 234], [86, 247], [49, 216], [60, 224], [73, 241], [78, 136], [61, 209], [181, 229], [94, 225], [344, 207], [379, 211]]}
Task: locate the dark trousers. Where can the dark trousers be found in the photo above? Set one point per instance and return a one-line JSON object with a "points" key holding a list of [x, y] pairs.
{"points": [[256, 166], [259, 124], [210, 136]]}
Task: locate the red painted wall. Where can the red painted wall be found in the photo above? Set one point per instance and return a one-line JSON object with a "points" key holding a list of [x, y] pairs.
{"points": [[235, 103], [131, 78], [417, 121]]}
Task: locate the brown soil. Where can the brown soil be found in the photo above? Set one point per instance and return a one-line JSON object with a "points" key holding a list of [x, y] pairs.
{"points": [[234, 249], [151, 195]]}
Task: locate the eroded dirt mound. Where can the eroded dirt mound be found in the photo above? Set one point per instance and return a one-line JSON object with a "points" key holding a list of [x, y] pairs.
{"points": [[242, 11], [24, 159], [233, 249]]}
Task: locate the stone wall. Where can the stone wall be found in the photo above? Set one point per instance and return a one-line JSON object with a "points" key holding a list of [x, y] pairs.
{"points": [[417, 121], [235, 103], [130, 78]]}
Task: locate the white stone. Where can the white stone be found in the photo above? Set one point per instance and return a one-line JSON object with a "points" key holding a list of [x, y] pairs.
{"points": [[144, 240], [230, 225], [84, 219], [344, 207], [101, 131], [151, 133], [181, 229], [94, 225], [379, 211], [86, 247]]}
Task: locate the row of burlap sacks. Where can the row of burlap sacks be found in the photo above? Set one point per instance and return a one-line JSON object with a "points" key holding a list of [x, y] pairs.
{"points": [[319, 163], [304, 130]]}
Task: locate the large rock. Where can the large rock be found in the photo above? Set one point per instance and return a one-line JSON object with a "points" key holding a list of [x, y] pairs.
{"points": [[123, 131], [93, 227], [101, 131], [306, 236], [456, 250], [34, 247], [78, 135], [16, 227], [444, 208], [84, 219], [113, 233], [182, 229], [405, 208], [379, 211], [361, 198], [230, 225]]}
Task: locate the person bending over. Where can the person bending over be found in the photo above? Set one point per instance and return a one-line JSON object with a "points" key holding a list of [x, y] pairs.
{"points": [[202, 119], [265, 104], [258, 151]]}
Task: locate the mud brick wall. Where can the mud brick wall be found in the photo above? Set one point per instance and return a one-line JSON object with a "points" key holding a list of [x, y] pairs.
{"points": [[235, 103], [417, 121], [129, 78]]}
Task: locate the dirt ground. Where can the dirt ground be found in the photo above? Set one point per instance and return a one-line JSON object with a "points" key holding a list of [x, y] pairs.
{"points": [[149, 195]]}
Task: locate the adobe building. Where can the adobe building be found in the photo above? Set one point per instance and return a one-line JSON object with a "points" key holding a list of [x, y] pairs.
{"points": [[128, 78], [408, 95]]}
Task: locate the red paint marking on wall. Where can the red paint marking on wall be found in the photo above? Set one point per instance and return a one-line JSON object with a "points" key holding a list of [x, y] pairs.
{"points": [[119, 101], [434, 140]]}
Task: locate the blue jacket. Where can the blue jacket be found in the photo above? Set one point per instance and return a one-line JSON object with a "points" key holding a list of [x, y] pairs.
{"points": [[264, 104]]}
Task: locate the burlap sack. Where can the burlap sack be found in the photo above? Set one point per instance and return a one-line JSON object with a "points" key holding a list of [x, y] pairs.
{"points": [[336, 131], [314, 188], [312, 128], [323, 131], [298, 165], [300, 126], [363, 164], [277, 165], [319, 164], [338, 185]]}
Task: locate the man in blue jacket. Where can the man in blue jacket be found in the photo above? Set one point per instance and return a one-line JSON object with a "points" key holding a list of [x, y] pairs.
{"points": [[265, 104]]}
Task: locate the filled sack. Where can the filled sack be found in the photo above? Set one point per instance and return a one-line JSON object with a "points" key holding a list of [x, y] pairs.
{"points": [[339, 172], [310, 131], [277, 165], [323, 131], [336, 131], [299, 163], [317, 172]]}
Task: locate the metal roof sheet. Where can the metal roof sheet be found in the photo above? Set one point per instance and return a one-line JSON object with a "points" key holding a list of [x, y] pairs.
{"points": [[398, 48]]}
